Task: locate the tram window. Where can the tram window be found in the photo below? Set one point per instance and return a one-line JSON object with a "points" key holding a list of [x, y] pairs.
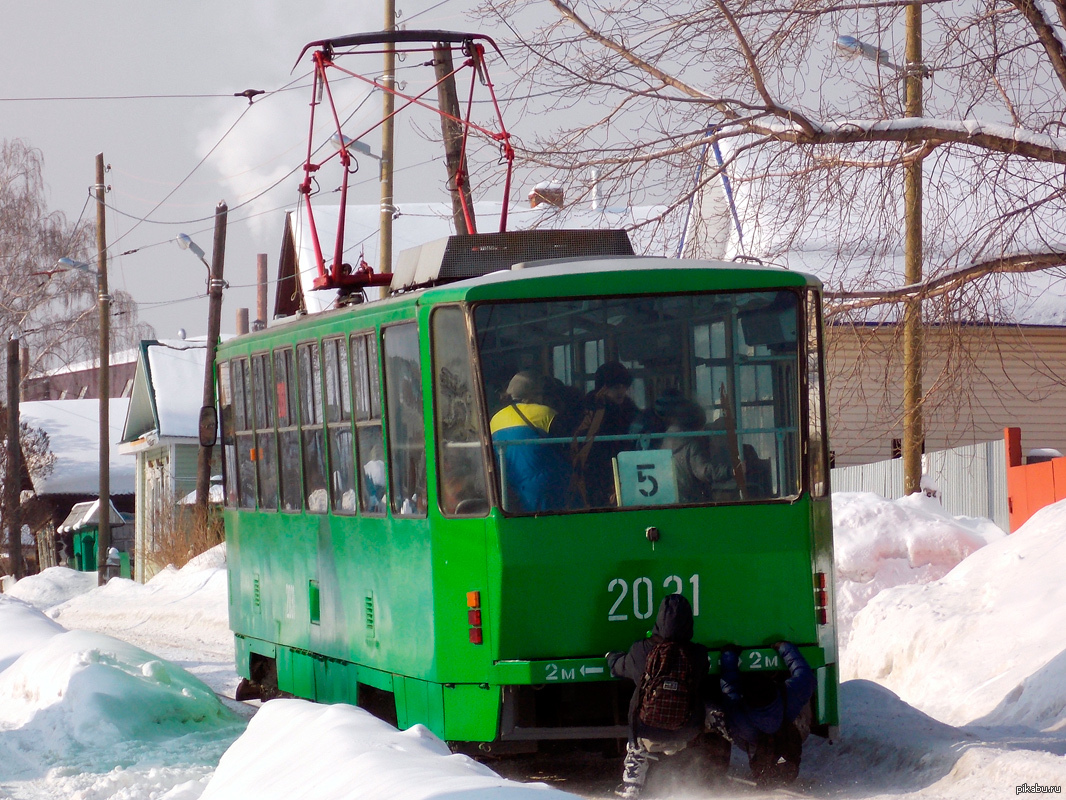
{"points": [[312, 439], [460, 465], [291, 489], [339, 427], [229, 441], [243, 423], [713, 378], [407, 443], [370, 451], [819, 460], [266, 448]]}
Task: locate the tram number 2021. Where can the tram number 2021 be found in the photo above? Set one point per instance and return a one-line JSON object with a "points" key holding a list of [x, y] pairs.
{"points": [[642, 592]]}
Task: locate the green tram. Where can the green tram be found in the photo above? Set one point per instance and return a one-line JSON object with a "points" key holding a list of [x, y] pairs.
{"points": [[378, 557]]}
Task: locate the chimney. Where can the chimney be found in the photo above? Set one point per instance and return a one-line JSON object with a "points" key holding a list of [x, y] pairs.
{"points": [[261, 292], [242, 321], [550, 193]]}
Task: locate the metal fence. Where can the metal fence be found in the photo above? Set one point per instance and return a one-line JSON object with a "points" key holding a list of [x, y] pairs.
{"points": [[972, 480]]}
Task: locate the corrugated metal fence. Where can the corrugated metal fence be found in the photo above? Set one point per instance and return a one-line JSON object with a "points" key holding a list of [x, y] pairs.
{"points": [[972, 480]]}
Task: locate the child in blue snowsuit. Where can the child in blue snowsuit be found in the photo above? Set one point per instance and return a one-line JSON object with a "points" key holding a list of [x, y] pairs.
{"points": [[761, 714]]}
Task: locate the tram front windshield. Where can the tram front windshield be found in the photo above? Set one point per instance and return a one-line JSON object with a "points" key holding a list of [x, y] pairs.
{"points": [[642, 400]]}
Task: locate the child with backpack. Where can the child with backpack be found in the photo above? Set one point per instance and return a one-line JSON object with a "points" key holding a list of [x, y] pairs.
{"points": [[766, 717], [667, 710]]}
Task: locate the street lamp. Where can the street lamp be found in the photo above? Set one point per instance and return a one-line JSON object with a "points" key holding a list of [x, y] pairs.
{"points": [[186, 243], [208, 411], [853, 48], [913, 71]]}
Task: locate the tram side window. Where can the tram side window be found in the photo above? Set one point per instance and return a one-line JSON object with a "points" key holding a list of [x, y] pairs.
{"points": [[407, 443], [460, 463], [229, 441], [266, 448], [819, 459], [339, 427], [312, 438], [243, 425], [370, 449], [288, 433]]}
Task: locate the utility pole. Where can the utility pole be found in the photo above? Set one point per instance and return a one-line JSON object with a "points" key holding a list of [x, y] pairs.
{"points": [[214, 324], [103, 531], [913, 428], [13, 478], [452, 131], [388, 80]]}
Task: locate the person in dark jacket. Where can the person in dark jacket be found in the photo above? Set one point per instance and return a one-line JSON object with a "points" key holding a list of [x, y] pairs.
{"points": [[673, 623], [766, 718], [607, 411]]}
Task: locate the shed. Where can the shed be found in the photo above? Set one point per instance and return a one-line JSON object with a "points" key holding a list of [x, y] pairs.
{"points": [[82, 524]]}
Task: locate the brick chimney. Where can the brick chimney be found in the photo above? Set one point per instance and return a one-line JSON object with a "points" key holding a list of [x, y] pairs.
{"points": [[550, 193]]}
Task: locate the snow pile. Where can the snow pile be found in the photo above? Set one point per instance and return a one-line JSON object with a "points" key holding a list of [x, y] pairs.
{"points": [[294, 748], [91, 716], [184, 607], [882, 543], [53, 586], [985, 644]]}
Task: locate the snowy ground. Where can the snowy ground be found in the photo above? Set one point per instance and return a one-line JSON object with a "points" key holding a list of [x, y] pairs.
{"points": [[953, 661]]}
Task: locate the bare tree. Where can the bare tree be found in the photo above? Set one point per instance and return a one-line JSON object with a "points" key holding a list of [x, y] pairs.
{"points": [[816, 143], [53, 310], [38, 461]]}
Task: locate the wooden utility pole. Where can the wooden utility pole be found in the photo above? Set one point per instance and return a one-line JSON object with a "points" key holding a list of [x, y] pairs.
{"points": [[388, 107], [13, 477], [913, 428], [214, 324], [452, 131], [103, 531]]}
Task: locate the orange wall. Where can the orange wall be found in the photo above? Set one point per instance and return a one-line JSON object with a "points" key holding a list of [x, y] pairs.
{"points": [[1030, 487]]}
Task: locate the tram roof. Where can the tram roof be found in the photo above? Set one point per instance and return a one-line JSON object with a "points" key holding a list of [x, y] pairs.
{"points": [[629, 275]]}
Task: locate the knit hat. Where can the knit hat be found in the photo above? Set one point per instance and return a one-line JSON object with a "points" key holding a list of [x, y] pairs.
{"points": [[526, 387], [613, 374]]}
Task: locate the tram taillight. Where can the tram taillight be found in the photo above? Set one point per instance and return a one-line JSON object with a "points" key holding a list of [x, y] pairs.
{"points": [[473, 603], [821, 599]]}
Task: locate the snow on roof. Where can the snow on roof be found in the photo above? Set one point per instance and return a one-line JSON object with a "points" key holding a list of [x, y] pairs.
{"points": [[418, 223], [73, 428], [167, 390], [87, 514], [116, 358], [177, 370]]}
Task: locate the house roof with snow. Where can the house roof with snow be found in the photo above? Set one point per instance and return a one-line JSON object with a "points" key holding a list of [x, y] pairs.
{"points": [[73, 428], [167, 394]]}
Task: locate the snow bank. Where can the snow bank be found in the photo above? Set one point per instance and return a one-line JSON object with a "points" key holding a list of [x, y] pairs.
{"points": [[186, 607], [883, 543], [294, 749], [23, 629], [84, 715], [98, 688], [53, 586], [984, 644]]}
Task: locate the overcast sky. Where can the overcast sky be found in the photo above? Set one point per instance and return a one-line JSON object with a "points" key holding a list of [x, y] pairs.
{"points": [[121, 48]]}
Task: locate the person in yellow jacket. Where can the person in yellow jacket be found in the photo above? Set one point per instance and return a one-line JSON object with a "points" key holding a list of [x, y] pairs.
{"points": [[536, 476]]}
